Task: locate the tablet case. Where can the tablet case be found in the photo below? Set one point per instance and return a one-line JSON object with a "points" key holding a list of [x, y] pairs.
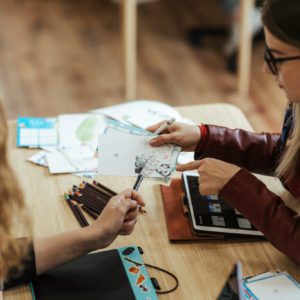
{"points": [[177, 221], [108, 275]]}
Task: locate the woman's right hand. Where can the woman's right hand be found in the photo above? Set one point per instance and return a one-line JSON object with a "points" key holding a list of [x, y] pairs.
{"points": [[183, 135], [118, 217]]}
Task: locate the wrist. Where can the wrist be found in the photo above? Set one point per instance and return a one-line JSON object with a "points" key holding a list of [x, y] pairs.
{"points": [[203, 132], [91, 239]]}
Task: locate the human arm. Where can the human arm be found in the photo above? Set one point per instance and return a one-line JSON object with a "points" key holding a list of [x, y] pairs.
{"points": [[265, 210], [257, 152], [118, 217]]}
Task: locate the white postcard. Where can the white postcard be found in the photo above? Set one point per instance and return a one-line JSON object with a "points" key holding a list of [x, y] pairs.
{"points": [[276, 287], [127, 155]]}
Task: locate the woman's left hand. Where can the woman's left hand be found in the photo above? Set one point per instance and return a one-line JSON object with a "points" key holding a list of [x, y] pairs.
{"points": [[214, 174]]}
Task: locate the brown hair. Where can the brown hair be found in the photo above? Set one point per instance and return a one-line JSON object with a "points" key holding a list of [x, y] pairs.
{"points": [[12, 210], [282, 18]]}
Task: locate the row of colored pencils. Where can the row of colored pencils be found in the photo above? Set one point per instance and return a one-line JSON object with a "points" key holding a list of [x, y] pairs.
{"points": [[92, 198]]}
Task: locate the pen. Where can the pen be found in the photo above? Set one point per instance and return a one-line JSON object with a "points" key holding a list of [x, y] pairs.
{"points": [[157, 131], [164, 126], [138, 182]]}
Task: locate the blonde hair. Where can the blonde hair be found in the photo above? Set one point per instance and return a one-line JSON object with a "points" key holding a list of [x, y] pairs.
{"points": [[290, 160], [281, 17], [12, 210]]}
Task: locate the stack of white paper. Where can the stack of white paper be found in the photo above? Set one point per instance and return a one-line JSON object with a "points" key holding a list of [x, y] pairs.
{"points": [[78, 140]]}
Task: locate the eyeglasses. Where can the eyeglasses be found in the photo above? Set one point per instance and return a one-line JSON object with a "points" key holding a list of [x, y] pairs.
{"points": [[272, 61]]}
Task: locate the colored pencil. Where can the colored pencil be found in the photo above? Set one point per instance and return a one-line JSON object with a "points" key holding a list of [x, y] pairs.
{"points": [[104, 188], [75, 212], [90, 212], [81, 215]]}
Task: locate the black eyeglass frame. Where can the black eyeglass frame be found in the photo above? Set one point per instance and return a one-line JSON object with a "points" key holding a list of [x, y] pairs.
{"points": [[271, 61]]}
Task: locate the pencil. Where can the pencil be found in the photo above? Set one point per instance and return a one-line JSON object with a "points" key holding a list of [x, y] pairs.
{"points": [[100, 196], [104, 188], [98, 201], [96, 191], [138, 182], [86, 202], [81, 215], [75, 213], [89, 211]]}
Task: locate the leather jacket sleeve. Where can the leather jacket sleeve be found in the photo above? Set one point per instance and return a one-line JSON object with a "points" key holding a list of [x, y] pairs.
{"points": [[258, 153], [266, 211]]}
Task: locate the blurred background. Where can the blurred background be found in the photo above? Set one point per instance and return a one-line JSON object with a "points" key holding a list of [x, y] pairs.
{"points": [[66, 57]]}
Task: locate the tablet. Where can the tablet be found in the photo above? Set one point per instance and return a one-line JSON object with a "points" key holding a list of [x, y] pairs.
{"points": [[210, 214]]}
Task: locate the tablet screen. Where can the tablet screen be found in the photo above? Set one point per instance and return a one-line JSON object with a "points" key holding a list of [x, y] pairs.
{"points": [[210, 213]]}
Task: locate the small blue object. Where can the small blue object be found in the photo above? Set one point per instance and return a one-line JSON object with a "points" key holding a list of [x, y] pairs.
{"points": [[36, 132], [137, 274]]}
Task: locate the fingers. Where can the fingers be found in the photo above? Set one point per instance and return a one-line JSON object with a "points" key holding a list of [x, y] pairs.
{"points": [[162, 140], [152, 128], [134, 195], [127, 227], [193, 165], [132, 214]]}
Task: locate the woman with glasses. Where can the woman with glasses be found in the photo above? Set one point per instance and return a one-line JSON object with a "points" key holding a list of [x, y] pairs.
{"points": [[225, 157]]}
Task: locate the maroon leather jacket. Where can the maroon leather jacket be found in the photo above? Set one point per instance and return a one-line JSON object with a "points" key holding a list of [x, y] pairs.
{"points": [[258, 153]]}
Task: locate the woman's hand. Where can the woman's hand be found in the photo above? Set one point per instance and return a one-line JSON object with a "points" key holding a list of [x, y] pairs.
{"points": [[214, 174], [185, 136], [118, 217]]}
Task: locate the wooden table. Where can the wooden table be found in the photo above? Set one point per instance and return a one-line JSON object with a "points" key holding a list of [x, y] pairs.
{"points": [[129, 36], [201, 267]]}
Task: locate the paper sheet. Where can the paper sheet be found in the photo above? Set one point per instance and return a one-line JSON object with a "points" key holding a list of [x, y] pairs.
{"points": [[70, 160], [39, 158], [276, 287], [80, 129], [141, 113], [126, 155]]}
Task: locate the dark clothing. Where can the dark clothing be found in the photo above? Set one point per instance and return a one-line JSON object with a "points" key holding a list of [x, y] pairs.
{"points": [[28, 272], [259, 153]]}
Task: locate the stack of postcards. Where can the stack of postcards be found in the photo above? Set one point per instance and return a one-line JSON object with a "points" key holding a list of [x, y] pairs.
{"points": [[69, 143]]}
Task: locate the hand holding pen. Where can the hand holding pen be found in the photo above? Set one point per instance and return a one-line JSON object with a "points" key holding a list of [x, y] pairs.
{"points": [[157, 131], [183, 135]]}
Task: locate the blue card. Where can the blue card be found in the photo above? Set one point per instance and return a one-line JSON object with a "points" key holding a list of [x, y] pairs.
{"points": [[36, 132]]}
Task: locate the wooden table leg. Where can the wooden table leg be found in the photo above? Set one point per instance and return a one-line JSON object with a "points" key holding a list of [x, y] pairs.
{"points": [[129, 32], [245, 49]]}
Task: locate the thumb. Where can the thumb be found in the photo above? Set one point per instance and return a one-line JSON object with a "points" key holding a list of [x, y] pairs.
{"points": [[193, 165], [129, 204], [162, 140]]}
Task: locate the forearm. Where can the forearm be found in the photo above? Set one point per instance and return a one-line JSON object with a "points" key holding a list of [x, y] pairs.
{"points": [[55, 250], [266, 211], [256, 152]]}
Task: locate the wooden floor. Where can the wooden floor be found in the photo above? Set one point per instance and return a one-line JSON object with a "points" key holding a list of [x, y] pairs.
{"points": [[65, 56]]}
